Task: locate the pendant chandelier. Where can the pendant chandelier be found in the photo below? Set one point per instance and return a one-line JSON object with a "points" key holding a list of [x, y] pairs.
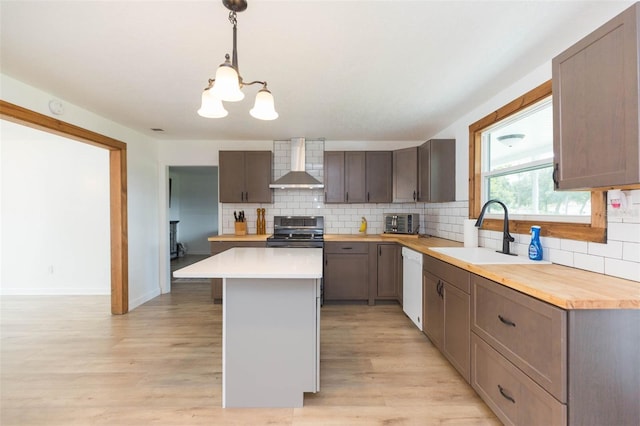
{"points": [[227, 84]]}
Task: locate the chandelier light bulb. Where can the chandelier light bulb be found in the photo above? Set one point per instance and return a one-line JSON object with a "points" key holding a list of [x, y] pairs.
{"points": [[227, 84], [264, 109], [211, 106]]}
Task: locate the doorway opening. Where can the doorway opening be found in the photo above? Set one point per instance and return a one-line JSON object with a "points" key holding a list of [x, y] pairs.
{"points": [[117, 190], [192, 213]]}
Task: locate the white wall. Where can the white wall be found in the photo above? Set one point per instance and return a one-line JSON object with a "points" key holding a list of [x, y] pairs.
{"points": [[142, 177], [55, 214]]}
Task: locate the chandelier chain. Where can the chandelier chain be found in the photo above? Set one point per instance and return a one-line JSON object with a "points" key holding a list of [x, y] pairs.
{"points": [[233, 18]]}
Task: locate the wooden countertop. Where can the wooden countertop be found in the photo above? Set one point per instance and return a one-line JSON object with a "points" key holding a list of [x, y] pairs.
{"points": [[562, 286], [232, 237]]}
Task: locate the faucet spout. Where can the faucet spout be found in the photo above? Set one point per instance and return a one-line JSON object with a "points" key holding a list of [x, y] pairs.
{"points": [[506, 236]]}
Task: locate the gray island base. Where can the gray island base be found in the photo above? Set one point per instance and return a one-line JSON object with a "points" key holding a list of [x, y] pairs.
{"points": [[271, 323]]}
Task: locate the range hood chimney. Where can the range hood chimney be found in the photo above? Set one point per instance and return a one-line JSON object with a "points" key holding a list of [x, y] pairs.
{"points": [[297, 177]]}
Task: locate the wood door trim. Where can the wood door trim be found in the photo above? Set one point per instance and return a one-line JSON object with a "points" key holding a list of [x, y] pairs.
{"points": [[117, 185]]}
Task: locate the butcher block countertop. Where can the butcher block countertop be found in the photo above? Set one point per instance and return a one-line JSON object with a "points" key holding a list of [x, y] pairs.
{"points": [[562, 286], [232, 237]]}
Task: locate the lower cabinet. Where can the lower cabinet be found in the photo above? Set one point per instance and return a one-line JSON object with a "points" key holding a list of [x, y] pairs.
{"points": [[534, 363], [446, 308], [388, 271], [511, 394], [346, 271], [218, 247], [519, 354]]}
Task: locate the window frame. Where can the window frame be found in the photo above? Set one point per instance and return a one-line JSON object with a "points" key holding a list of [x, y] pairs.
{"points": [[595, 231]]}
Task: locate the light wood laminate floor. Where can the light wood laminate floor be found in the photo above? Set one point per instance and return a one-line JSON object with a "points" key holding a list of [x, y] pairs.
{"points": [[68, 361]]}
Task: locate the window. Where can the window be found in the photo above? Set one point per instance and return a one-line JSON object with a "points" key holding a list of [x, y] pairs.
{"points": [[511, 159], [517, 168]]}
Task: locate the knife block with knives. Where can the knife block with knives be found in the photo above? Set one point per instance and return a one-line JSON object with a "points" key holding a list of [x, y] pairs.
{"points": [[240, 223]]}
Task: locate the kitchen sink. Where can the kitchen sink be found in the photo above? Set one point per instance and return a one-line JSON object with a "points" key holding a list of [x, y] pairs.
{"points": [[485, 256]]}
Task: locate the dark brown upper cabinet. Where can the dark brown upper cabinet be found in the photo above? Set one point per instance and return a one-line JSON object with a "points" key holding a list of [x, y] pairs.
{"points": [[358, 176], [437, 171], [334, 176], [595, 107], [405, 175], [245, 176], [379, 176], [355, 177]]}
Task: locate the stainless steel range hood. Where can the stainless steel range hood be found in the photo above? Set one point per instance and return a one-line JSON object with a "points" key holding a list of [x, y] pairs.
{"points": [[297, 177]]}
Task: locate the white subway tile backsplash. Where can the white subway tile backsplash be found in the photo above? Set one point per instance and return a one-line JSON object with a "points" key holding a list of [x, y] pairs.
{"points": [[623, 231], [631, 252], [561, 257], [611, 249], [589, 262], [575, 246], [622, 269]]}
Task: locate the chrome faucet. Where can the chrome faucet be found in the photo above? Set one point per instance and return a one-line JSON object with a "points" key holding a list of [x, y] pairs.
{"points": [[506, 237]]}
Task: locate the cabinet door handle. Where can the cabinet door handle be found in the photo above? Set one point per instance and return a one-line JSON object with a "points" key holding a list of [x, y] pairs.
{"points": [[246, 196], [506, 395], [506, 321], [414, 195], [379, 251], [346, 197], [555, 176], [368, 196]]}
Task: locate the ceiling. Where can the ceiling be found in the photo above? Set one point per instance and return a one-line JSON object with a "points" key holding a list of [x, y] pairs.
{"points": [[340, 70]]}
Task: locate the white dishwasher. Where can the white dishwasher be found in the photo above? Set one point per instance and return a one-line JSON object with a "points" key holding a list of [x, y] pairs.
{"points": [[412, 285]]}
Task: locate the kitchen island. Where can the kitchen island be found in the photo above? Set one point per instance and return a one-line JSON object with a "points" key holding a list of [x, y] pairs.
{"points": [[270, 323]]}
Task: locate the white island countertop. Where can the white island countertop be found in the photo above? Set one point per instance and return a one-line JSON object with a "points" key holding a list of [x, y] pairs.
{"points": [[257, 262]]}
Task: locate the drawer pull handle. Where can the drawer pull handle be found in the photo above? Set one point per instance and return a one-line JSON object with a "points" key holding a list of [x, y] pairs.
{"points": [[347, 248], [506, 321], [505, 395]]}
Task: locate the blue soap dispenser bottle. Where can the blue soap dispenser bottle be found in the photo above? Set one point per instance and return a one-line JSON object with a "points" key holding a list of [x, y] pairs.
{"points": [[535, 248]]}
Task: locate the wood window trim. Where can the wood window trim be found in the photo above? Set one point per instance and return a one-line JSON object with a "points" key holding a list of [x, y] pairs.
{"points": [[596, 231], [117, 190]]}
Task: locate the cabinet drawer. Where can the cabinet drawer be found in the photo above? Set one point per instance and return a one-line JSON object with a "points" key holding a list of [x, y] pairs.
{"points": [[528, 332], [513, 397], [346, 248], [452, 274]]}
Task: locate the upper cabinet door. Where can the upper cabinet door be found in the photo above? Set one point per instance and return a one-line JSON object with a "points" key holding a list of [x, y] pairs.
{"points": [[379, 176], [334, 177], [405, 175], [424, 178], [355, 177], [437, 171], [231, 171], [258, 175], [442, 170], [595, 107], [245, 177]]}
